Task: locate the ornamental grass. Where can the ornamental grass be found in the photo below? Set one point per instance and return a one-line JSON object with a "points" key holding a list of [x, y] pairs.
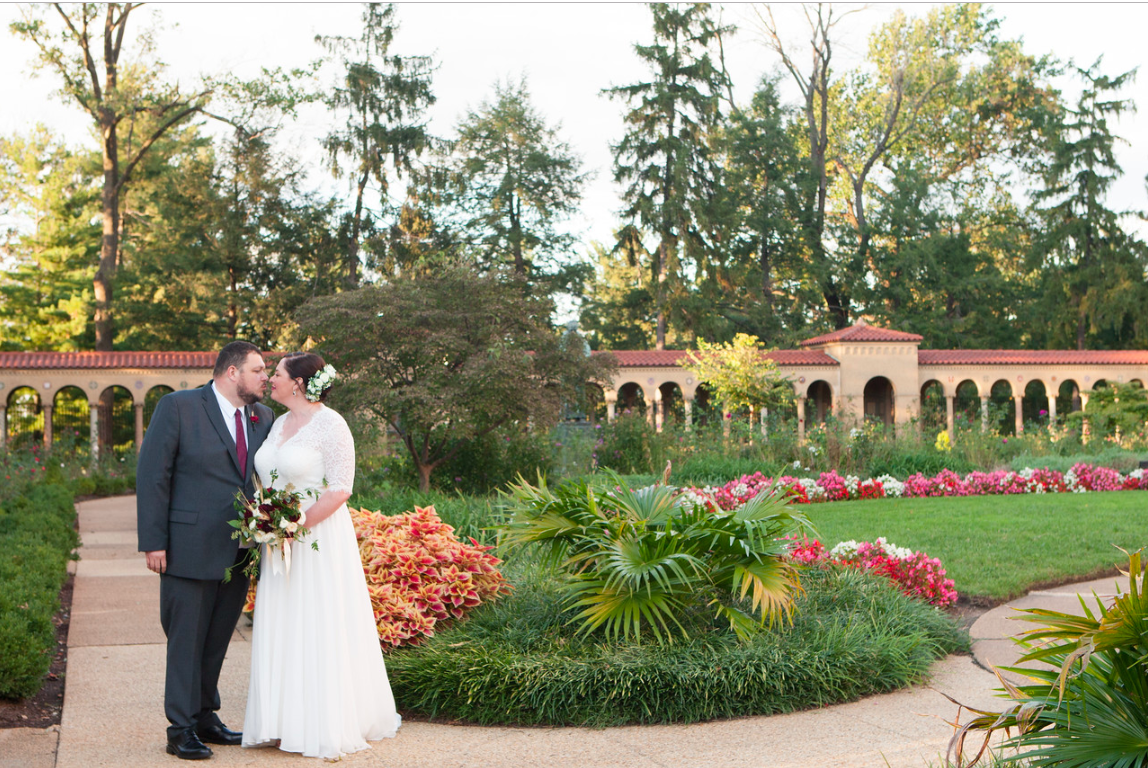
{"points": [[520, 661]]}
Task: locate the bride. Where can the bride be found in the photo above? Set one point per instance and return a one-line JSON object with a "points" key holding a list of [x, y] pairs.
{"points": [[318, 683]]}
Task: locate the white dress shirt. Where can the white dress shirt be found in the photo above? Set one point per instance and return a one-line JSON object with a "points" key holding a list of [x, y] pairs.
{"points": [[229, 417]]}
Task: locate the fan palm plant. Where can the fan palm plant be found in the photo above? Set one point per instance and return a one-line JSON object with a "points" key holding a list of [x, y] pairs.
{"points": [[646, 557], [1089, 707]]}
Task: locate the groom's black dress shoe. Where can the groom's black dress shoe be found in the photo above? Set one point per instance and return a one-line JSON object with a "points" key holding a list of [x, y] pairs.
{"points": [[185, 745], [218, 733]]}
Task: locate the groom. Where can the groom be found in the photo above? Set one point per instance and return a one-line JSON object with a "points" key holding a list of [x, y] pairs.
{"points": [[197, 454]]}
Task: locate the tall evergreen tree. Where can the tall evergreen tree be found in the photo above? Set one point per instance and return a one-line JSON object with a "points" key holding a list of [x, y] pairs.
{"points": [[48, 264], [384, 98], [666, 160], [1094, 290], [513, 181]]}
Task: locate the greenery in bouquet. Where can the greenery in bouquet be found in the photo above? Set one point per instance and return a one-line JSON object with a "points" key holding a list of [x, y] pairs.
{"points": [[273, 517]]}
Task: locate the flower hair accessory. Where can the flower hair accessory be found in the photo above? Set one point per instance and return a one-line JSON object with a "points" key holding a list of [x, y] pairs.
{"points": [[319, 382]]}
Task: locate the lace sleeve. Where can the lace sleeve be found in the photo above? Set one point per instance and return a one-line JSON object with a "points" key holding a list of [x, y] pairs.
{"points": [[338, 449]]}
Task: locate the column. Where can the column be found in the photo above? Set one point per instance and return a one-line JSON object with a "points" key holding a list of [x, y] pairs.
{"points": [[949, 415], [984, 413], [3, 426], [801, 420], [1085, 427], [659, 410], [651, 406], [688, 407], [138, 408], [1019, 399], [47, 409], [764, 415], [1052, 411], [611, 401], [94, 432]]}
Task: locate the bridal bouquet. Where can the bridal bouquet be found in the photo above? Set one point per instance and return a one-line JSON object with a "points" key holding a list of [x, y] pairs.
{"points": [[273, 517]]}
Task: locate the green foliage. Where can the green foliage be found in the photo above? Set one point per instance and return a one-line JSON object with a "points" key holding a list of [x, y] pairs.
{"points": [[640, 560], [630, 445], [382, 99], [1089, 703], [665, 161], [1092, 269], [447, 358], [519, 662], [1115, 411], [512, 181], [740, 375], [470, 516], [37, 538], [490, 461]]}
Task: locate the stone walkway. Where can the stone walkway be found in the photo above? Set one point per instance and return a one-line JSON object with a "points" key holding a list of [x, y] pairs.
{"points": [[113, 707]]}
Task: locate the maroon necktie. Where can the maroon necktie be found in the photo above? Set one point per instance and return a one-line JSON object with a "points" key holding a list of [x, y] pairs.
{"points": [[240, 442]]}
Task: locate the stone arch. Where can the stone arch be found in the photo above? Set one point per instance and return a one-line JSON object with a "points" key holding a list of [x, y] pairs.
{"points": [[1034, 406], [673, 406], [820, 402], [632, 398], [933, 411], [1137, 383], [967, 404], [1002, 408], [25, 418], [117, 420], [880, 401], [1098, 384], [151, 400], [1068, 397], [70, 416]]}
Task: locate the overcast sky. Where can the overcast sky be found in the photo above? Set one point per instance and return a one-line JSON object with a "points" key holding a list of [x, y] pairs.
{"points": [[568, 54]]}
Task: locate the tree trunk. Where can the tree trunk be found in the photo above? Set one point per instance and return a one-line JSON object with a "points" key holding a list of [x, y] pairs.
{"points": [[660, 295], [766, 263], [104, 282], [424, 475], [516, 235], [356, 233]]}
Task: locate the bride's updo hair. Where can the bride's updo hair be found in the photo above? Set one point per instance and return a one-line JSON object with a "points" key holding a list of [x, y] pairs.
{"points": [[304, 365]]}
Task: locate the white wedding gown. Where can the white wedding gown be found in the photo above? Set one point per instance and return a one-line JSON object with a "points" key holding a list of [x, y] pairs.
{"points": [[318, 682]]}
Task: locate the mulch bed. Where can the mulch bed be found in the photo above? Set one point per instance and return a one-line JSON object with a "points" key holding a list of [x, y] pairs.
{"points": [[44, 709]]}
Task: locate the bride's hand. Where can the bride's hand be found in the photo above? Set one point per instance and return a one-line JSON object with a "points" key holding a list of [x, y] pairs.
{"points": [[325, 506]]}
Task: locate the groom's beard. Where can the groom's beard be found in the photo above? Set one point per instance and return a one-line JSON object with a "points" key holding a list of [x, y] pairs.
{"points": [[251, 397]]}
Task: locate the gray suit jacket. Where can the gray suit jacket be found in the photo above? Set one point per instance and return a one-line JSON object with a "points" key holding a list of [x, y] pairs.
{"points": [[186, 482]]}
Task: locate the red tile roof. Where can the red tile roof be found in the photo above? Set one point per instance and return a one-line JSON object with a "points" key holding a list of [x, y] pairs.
{"points": [[1031, 357], [88, 360], [862, 332], [668, 358]]}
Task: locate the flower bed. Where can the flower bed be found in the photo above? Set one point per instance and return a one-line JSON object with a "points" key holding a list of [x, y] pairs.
{"points": [[914, 573], [830, 486]]}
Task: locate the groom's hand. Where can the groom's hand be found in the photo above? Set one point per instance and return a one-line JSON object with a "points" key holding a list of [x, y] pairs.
{"points": [[157, 561]]}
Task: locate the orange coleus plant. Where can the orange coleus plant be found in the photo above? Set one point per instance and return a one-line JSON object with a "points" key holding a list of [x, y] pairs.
{"points": [[418, 573]]}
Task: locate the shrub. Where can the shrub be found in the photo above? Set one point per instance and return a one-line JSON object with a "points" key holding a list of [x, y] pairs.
{"points": [[642, 559], [495, 459], [518, 661], [419, 575], [37, 538], [630, 446], [1088, 703]]}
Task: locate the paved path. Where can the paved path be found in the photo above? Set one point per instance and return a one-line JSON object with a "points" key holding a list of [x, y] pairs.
{"points": [[113, 708]]}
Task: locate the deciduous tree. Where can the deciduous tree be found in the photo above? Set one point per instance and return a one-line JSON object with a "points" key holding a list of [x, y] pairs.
{"points": [[447, 358]]}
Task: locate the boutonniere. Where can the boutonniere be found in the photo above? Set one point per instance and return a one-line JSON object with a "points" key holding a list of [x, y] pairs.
{"points": [[255, 418]]}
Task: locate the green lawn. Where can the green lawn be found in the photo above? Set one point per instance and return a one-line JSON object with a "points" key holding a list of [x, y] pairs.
{"points": [[998, 547]]}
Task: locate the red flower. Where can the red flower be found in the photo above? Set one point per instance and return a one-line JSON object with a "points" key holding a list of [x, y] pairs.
{"points": [[254, 418]]}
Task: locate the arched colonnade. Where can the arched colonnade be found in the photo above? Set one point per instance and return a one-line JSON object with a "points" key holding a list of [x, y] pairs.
{"points": [[50, 389]]}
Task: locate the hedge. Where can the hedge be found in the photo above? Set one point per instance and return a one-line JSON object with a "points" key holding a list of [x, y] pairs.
{"points": [[37, 538]]}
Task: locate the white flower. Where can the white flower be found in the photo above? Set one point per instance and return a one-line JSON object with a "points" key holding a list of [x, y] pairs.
{"points": [[291, 527], [797, 464]]}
